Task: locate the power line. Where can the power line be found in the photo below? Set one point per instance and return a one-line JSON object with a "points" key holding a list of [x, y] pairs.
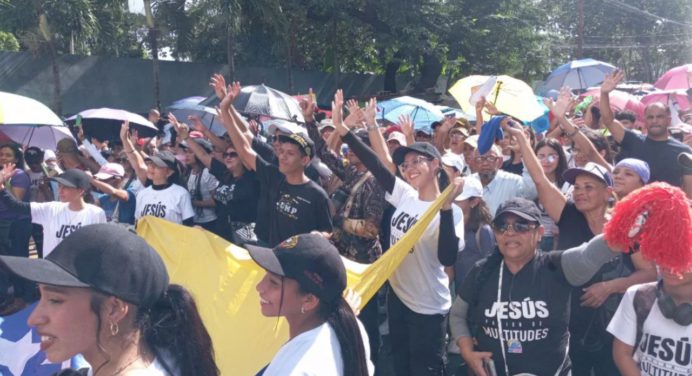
{"points": [[622, 46], [645, 13]]}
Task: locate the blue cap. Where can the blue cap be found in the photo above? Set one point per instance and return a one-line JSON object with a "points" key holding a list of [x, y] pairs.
{"points": [[638, 166]]}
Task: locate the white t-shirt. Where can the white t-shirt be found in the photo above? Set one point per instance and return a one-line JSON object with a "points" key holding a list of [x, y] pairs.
{"points": [[316, 352], [664, 348], [207, 185], [59, 221], [172, 204], [506, 185], [420, 282]]}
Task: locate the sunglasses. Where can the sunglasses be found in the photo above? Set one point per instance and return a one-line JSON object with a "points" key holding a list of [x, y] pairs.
{"points": [[519, 227], [230, 155]]}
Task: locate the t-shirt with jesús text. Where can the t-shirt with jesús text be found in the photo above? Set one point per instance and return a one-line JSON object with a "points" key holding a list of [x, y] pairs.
{"points": [[293, 208], [533, 310], [172, 203], [665, 347], [59, 221]]}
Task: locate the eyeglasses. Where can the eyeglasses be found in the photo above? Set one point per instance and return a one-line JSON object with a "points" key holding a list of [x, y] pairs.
{"points": [[517, 227], [550, 158], [456, 135], [413, 163], [230, 155], [488, 158]]}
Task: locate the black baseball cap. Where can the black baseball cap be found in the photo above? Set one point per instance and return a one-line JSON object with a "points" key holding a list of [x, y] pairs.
{"points": [[304, 143], [33, 155], [521, 207], [164, 159], [309, 259], [105, 257], [73, 178], [424, 148], [592, 169]]}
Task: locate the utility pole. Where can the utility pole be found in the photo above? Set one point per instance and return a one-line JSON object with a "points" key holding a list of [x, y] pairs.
{"points": [[580, 25]]}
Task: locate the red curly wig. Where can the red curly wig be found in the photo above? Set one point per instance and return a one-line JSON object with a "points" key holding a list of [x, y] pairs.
{"points": [[663, 213]]}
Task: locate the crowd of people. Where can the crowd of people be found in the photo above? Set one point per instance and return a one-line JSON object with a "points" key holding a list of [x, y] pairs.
{"points": [[512, 276]]}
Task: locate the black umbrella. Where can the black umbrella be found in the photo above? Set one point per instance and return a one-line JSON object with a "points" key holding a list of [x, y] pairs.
{"points": [[104, 123]]}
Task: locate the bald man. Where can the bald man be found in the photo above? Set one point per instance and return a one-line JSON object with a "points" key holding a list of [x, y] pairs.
{"points": [[657, 148]]}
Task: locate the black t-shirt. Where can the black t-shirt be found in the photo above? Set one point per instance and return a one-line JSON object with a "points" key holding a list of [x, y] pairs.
{"points": [[534, 314], [292, 209], [574, 229], [236, 199], [514, 168], [662, 156], [266, 152]]}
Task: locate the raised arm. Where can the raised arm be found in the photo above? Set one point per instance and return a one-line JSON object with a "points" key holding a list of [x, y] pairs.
{"points": [[366, 155], [443, 132], [559, 110], [377, 141], [133, 156], [108, 189], [609, 84], [183, 132], [241, 143], [548, 194], [218, 142], [6, 197]]}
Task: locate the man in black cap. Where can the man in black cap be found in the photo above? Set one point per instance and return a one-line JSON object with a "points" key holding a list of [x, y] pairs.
{"points": [[512, 313], [59, 219], [297, 204]]}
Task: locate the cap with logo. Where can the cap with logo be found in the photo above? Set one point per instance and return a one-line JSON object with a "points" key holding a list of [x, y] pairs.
{"points": [[73, 178], [310, 259], [591, 169], [303, 143], [105, 257]]}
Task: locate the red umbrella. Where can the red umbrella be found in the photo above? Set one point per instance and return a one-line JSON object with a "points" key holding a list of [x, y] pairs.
{"points": [[665, 96], [676, 78]]}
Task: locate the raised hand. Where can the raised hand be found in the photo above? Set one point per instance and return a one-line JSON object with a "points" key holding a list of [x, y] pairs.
{"points": [[218, 83], [308, 106], [355, 118], [480, 104], [559, 108], [457, 187], [611, 81], [352, 106], [124, 130], [406, 124], [370, 112], [447, 124], [490, 107], [231, 94], [173, 120], [7, 172], [337, 108]]}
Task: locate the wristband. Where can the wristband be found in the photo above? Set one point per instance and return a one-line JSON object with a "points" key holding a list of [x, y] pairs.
{"points": [[372, 127]]}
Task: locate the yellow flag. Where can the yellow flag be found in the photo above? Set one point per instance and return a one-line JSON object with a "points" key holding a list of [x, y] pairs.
{"points": [[222, 277]]}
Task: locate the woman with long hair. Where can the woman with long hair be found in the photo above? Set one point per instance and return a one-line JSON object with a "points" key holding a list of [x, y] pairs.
{"points": [[305, 282], [237, 193], [417, 311], [105, 294], [554, 163]]}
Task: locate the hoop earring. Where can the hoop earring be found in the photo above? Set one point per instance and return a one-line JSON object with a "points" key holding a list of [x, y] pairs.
{"points": [[114, 328], [302, 310]]}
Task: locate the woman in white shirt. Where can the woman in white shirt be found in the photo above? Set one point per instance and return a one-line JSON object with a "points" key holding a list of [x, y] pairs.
{"points": [[305, 281], [105, 294]]}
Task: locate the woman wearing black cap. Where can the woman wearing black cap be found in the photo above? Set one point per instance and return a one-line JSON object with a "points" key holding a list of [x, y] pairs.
{"points": [[105, 294], [305, 281], [417, 310], [59, 219]]}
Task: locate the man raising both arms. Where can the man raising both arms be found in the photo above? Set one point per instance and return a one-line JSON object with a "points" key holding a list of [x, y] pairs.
{"points": [[297, 204], [657, 148]]}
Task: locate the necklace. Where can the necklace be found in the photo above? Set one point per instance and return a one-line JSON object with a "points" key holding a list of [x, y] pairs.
{"points": [[124, 368]]}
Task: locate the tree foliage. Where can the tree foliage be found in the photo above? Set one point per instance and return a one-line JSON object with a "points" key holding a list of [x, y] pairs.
{"points": [[422, 39]]}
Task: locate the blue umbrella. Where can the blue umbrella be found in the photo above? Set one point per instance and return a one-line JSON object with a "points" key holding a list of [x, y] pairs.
{"points": [[422, 113], [190, 106], [447, 111], [578, 74]]}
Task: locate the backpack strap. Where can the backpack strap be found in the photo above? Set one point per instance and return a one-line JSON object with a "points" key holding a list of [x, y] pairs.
{"points": [[643, 301]]}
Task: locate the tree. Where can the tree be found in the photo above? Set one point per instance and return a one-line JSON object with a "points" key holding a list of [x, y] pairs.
{"points": [[8, 42]]}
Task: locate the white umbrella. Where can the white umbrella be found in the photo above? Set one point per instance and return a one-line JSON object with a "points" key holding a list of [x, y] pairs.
{"points": [[20, 110], [46, 137]]}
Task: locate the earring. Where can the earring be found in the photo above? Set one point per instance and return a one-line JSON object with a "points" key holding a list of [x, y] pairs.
{"points": [[114, 328], [302, 310]]}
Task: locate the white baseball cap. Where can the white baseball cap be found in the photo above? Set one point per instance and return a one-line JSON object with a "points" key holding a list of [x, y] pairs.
{"points": [[472, 188], [453, 160], [398, 137], [110, 170]]}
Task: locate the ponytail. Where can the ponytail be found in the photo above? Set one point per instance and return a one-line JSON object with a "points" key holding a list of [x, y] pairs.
{"points": [[173, 325], [342, 319]]}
